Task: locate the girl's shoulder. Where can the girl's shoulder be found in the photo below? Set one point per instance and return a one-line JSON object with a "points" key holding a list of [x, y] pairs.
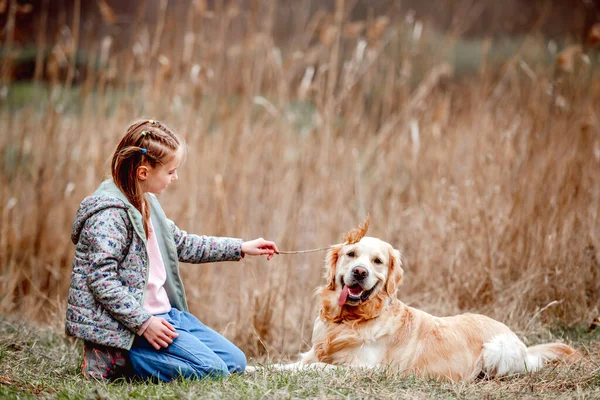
{"points": [[100, 212], [102, 205]]}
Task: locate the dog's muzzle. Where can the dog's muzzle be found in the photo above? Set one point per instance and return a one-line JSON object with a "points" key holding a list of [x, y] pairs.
{"points": [[353, 292]]}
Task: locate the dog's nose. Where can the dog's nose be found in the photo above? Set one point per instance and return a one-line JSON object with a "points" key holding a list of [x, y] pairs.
{"points": [[359, 273]]}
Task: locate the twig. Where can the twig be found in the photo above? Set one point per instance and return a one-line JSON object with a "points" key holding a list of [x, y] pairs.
{"points": [[305, 251], [354, 236]]}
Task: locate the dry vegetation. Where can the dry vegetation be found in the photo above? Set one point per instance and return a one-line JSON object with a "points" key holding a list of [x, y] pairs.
{"points": [[37, 363], [488, 179]]}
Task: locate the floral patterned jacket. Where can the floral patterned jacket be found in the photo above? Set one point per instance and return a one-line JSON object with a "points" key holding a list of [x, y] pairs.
{"points": [[110, 268]]}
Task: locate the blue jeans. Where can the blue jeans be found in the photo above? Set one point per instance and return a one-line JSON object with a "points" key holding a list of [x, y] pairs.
{"points": [[196, 353]]}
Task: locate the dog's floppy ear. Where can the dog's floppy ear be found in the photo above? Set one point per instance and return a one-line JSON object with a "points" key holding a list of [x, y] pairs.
{"points": [[395, 272], [330, 263]]}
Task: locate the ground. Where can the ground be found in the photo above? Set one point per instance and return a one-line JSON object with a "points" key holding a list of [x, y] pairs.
{"points": [[39, 362]]}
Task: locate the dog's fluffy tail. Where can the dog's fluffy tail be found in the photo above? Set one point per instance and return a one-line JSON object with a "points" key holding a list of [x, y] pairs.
{"points": [[506, 355]]}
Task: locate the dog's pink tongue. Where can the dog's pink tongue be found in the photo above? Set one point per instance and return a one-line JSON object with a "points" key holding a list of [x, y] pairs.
{"points": [[343, 296]]}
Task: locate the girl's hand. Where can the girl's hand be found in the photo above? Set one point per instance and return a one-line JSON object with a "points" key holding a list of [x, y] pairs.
{"points": [[160, 333], [259, 247]]}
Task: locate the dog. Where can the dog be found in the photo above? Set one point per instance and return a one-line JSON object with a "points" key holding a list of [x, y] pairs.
{"points": [[362, 323]]}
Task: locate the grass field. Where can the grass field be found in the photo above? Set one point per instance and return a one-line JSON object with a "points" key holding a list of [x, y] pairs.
{"points": [[37, 362]]}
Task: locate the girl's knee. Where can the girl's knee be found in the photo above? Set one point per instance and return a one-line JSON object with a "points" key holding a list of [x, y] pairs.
{"points": [[236, 362], [215, 369], [149, 367]]}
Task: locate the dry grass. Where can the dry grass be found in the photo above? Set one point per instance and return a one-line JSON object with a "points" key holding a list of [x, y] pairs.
{"points": [[37, 362], [488, 180]]}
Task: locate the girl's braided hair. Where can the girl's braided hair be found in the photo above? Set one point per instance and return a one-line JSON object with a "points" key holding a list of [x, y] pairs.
{"points": [[146, 142]]}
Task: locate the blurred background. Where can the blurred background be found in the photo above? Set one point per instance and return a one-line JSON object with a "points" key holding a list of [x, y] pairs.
{"points": [[469, 130]]}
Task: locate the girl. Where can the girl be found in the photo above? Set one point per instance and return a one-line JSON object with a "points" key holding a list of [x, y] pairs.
{"points": [[126, 293]]}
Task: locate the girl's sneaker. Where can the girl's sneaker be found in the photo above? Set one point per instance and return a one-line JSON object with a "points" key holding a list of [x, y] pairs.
{"points": [[103, 363]]}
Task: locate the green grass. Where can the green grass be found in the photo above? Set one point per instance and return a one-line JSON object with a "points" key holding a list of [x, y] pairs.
{"points": [[39, 362]]}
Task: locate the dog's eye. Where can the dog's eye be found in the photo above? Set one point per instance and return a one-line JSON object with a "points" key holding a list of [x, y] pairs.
{"points": [[350, 254], [377, 261]]}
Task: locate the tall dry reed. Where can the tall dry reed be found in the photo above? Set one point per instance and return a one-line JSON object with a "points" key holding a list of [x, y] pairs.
{"points": [[487, 180]]}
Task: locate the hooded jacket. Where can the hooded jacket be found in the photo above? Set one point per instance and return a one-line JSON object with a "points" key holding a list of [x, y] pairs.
{"points": [[111, 267]]}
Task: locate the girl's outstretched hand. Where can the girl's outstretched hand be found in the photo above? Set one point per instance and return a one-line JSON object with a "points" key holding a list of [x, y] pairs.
{"points": [[259, 247], [160, 333]]}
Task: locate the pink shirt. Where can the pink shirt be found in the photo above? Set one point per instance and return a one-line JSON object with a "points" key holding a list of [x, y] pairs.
{"points": [[156, 300]]}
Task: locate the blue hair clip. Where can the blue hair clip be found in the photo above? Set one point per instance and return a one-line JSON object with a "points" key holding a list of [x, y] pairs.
{"points": [[144, 150]]}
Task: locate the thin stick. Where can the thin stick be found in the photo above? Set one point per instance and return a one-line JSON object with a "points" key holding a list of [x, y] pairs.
{"points": [[308, 251], [351, 237]]}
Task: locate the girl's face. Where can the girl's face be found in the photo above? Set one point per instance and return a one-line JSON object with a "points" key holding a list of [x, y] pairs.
{"points": [[156, 179]]}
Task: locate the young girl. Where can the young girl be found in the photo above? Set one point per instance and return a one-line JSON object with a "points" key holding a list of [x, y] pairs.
{"points": [[126, 293]]}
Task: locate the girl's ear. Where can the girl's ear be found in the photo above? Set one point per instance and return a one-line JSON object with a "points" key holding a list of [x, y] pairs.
{"points": [[142, 173], [395, 273], [330, 263]]}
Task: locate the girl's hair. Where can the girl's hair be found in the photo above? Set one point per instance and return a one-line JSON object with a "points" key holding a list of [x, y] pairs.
{"points": [[146, 142]]}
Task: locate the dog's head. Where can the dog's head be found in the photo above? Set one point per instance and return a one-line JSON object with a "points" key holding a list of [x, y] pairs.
{"points": [[360, 277]]}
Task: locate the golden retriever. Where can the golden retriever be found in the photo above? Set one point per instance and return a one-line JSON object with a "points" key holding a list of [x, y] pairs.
{"points": [[362, 323]]}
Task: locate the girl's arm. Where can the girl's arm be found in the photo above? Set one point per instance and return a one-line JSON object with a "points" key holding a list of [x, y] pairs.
{"points": [[204, 249], [107, 238]]}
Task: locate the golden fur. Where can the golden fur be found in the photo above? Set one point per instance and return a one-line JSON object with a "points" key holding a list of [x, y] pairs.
{"points": [[382, 331], [356, 234]]}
